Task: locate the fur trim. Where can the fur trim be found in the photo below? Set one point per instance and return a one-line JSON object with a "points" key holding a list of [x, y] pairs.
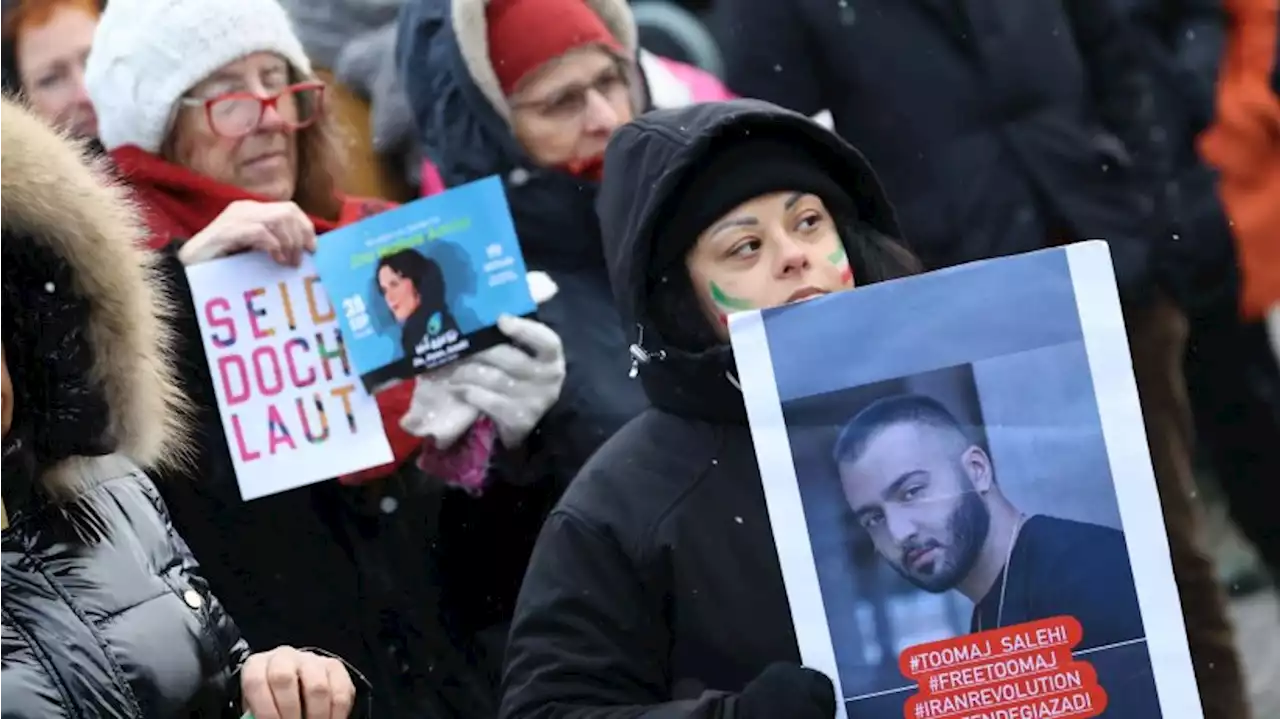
{"points": [[54, 192], [470, 27]]}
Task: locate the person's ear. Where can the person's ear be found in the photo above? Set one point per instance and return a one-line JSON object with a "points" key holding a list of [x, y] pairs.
{"points": [[977, 465]]}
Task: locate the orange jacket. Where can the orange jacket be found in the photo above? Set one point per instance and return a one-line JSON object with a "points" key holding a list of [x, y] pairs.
{"points": [[1243, 143]]}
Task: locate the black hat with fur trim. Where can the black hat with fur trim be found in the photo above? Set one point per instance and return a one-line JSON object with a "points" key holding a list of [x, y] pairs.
{"points": [[85, 342]]}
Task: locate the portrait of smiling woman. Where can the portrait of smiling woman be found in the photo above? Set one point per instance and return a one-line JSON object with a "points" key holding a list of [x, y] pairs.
{"points": [[414, 289]]}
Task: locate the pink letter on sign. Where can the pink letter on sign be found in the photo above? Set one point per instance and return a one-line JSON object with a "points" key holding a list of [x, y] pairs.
{"points": [[268, 374], [214, 322], [232, 396], [246, 454], [256, 312]]}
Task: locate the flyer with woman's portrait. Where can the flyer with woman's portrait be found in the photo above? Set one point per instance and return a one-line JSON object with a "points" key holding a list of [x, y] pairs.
{"points": [[423, 285]]}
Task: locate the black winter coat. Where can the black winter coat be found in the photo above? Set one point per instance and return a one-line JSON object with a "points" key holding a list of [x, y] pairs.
{"points": [[655, 589], [1182, 42], [105, 610], [554, 215], [997, 126]]}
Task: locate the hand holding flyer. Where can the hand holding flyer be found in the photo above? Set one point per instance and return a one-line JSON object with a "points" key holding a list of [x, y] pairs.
{"points": [[439, 412]]}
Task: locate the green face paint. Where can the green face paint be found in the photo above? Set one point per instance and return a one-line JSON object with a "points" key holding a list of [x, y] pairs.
{"points": [[728, 302], [836, 257]]}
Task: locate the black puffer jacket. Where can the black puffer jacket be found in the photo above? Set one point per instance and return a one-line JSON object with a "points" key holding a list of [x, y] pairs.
{"points": [[105, 611]]}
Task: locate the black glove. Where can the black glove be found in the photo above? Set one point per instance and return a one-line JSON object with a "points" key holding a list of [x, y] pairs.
{"points": [[787, 691]]}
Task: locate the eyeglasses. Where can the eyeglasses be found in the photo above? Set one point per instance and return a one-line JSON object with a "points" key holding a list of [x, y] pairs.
{"points": [[236, 114], [567, 104]]}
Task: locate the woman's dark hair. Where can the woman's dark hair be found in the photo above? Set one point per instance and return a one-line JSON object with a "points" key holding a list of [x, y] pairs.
{"points": [[676, 315], [425, 275]]}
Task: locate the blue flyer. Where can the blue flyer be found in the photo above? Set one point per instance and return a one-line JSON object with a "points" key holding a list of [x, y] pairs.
{"points": [[423, 285]]}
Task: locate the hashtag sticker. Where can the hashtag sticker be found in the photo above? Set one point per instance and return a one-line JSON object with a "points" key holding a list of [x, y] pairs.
{"points": [[1022, 671]]}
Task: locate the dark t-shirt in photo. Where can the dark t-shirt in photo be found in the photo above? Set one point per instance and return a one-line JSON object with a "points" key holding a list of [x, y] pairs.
{"points": [[1063, 567]]}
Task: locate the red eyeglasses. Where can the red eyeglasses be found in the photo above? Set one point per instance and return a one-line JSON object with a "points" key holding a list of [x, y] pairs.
{"points": [[236, 114]]}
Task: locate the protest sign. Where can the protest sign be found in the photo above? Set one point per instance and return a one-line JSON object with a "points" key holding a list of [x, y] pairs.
{"points": [[963, 502], [291, 407], [423, 285]]}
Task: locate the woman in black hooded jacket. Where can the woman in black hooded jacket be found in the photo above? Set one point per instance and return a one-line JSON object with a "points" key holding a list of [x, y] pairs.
{"points": [[655, 589]]}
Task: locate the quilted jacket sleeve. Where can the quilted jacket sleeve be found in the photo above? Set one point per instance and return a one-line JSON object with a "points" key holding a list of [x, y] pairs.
{"points": [[232, 649]]}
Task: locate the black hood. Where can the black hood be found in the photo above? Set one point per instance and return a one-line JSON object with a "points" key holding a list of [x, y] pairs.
{"points": [[646, 161]]}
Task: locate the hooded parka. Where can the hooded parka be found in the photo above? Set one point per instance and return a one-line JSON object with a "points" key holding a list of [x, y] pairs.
{"points": [[655, 589], [105, 611]]}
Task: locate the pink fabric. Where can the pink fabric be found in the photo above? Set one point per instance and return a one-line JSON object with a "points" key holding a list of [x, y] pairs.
{"points": [[466, 464], [702, 85], [432, 184]]}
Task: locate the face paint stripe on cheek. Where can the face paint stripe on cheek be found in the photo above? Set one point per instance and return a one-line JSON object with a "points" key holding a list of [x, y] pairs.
{"points": [[727, 301], [840, 259], [846, 275]]}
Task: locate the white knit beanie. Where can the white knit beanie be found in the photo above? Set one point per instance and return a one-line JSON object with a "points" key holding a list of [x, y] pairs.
{"points": [[147, 54]]}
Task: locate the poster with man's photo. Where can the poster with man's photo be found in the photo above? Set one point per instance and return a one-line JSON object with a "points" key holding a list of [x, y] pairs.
{"points": [[423, 285], [962, 498]]}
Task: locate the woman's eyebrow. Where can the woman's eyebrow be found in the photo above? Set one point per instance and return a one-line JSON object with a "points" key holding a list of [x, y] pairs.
{"points": [[735, 222], [791, 201]]}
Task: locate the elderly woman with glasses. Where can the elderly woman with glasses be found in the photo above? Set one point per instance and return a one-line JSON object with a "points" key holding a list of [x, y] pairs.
{"points": [[532, 90], [212, 114]]}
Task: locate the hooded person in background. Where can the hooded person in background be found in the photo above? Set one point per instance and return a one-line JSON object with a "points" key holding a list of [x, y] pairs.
{"points": [[636, 600], [230, 150], [530, 90], [105, 609], [45, 46]]}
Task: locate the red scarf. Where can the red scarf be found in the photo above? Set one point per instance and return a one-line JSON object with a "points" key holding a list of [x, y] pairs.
{"points": [[178, 203], [590, 169]]}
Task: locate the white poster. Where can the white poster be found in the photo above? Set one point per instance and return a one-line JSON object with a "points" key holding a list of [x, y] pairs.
{"points": [[292, 405], [962, 498]]}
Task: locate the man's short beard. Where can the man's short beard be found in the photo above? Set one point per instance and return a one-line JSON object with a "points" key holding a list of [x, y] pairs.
{"points": [[968, 526]]}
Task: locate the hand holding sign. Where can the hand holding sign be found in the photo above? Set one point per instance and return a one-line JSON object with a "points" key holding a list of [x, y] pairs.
{"points": [[437, 411], [280, 229]]}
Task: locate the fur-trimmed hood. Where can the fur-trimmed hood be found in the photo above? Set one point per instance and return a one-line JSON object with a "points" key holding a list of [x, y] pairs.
{"points": [[54, 197]]}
